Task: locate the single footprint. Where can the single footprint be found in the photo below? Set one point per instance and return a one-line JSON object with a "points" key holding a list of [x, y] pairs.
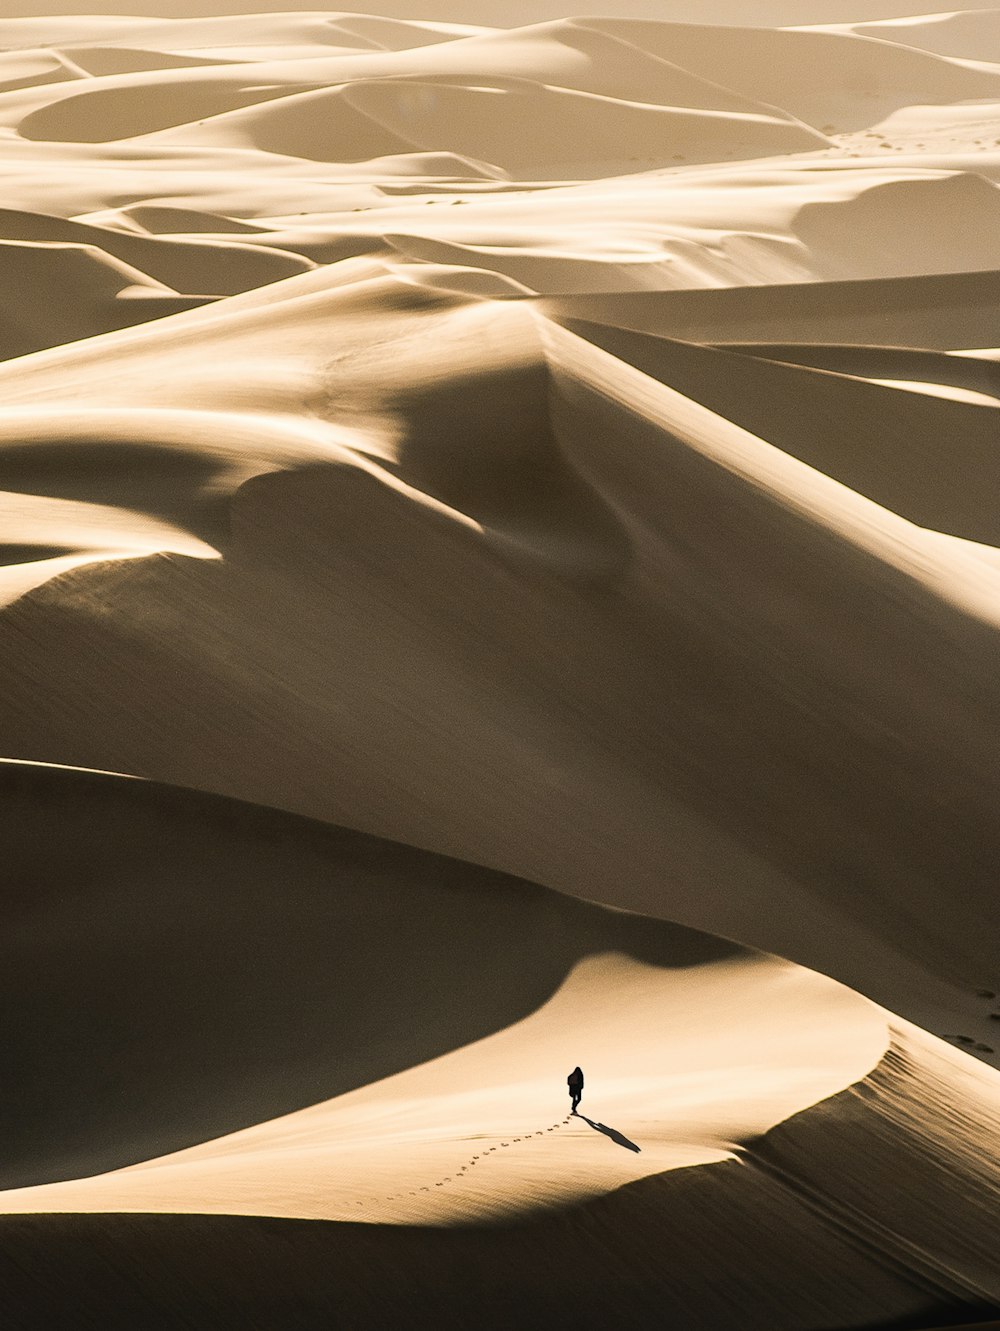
{"points": [[984, 1048], [985, 993]]}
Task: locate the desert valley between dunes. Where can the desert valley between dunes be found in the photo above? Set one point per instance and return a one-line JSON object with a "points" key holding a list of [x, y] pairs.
{"points": [[501, 570]]}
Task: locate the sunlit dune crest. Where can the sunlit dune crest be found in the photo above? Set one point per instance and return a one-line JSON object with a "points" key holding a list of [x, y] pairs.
{"points": [[500, 571]]}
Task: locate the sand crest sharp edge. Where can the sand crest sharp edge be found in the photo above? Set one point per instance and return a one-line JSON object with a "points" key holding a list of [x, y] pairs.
{"points": [[955, 1259], [939, 311], [151, 859], [617, 543], [216, 854], [906, 474]]}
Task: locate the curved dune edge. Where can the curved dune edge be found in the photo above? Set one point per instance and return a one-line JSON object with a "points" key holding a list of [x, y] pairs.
{"points": [[693, 1049], [480, 1134], [654, 1010], [779, 1233], [607, 586], [588, 155]]}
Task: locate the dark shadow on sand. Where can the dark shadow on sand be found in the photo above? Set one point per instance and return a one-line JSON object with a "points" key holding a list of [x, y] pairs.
{"points": [[610, 1132], [228, 937]]}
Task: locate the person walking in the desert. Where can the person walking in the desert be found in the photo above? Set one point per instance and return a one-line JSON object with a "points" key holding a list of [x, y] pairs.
{"points": [[575, 1083]]}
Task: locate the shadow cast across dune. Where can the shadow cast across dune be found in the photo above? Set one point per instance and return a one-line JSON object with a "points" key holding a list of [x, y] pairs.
{"points": [[175, 966], [617, 1137], [903, 469], [784, 1234]]}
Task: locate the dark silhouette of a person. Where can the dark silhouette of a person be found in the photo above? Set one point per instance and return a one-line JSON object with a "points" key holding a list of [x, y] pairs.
{"points": [[575, 1083]]}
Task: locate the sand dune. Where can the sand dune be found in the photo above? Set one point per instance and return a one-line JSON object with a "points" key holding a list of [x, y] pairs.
{"points": [[887, 211], [28, 69], [919, 313], [466, 476], [222, 267], [446, 208], [971, 372], [969, 34], [564, 530], [814, 74], [514, 124], [901, 467], [96, 293], [409, 1157]]}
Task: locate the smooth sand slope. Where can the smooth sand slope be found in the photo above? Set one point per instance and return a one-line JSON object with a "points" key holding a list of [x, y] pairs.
{"points": [[601, 596], [429, 1006], [562, 444]]}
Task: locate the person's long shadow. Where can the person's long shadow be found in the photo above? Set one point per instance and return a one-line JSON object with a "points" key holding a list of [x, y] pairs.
{"points": [[613, 1133]]}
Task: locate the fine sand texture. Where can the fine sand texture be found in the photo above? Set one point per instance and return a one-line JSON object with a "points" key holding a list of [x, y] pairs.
{"points": [[500, 570], [274, 1020]]}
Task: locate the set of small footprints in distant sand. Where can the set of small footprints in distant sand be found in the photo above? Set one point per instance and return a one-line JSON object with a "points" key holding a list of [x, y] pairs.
{"points": [[968, 1041], [469, 1164]]}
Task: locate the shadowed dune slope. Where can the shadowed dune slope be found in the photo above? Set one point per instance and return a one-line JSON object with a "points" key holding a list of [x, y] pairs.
{"points": [[973, 373], [943, 312], [246, 946], [219, 268], [55, 292], [685, 650], [99, 61], [29, 69], [883, 442], [737, 1236], [127, 105], [157, 1270], [227, 963]]}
